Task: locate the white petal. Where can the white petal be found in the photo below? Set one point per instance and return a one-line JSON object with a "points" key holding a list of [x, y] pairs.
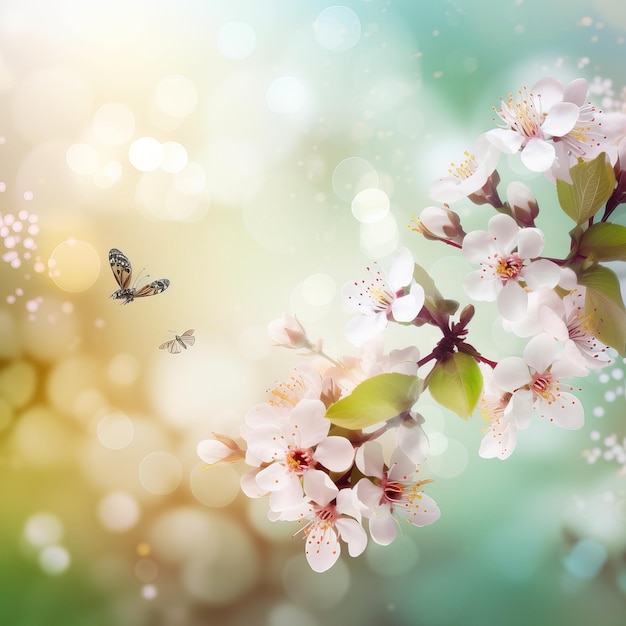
{"points": [[512, 301], [319, 487], [530, 242], [353, 534], [383, 526], [504, 229], [566, 411], [520, 408], [477, 246], [369, 459], [274, 477], [446, 190], [290, 496], [424, 511], [538, 155], [335, 453], [541, 274], [307, 422], [576, 92], [322, 547], [401, 467], [553, 323], [368, 494], [212, 451], [365, 327], [249, 485], [511, 373], [500, 440], [561, 118], [267, 443], [414, 443], [507, 141], [540, 352], [405, 308], [401, 269], [549, 91], [481, 286]]}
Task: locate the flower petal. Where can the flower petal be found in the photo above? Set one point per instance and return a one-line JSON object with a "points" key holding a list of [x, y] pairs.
{"points": [[541, 274], [540, 352], [401, 269], [383, 527], [368, 494], [566, 411], [503, 229], [500, 440], [249, 485], [511, 373], [369, 459], [506, 140], [307, 422], [538, 155], [481, 286], [274, 477], [319, 487], [530, 242], [512, 301], [365, 327], [322, 547], [335, 453], [405, 308], [353, 534], [561, 118]]}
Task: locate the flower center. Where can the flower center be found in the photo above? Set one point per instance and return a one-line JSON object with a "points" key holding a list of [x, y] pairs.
{"points": [[465, 169], [287, 393], [544, 385], [299, 460], [522, 116], [509, 267]]}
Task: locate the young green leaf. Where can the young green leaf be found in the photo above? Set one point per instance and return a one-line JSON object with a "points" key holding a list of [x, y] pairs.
{"points": [[604, 307], [456, 383], [376, 400], [592, 185], [438, 306], [605, 241]]}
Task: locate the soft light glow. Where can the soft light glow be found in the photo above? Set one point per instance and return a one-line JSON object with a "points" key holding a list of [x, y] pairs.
{"points": [[286, 95], [176, 96], [160, 472], [353, 175], [43, 529], [113, 123], [370, 206], [145, 154], [118, 511], [236, 40], [54, 560], [82, 159], [74, 265], [115, 430], [337, 28], [174, 156]]}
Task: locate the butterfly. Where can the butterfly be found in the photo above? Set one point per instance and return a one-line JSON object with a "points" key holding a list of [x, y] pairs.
{"points": [[122, 271], [184, 340]]}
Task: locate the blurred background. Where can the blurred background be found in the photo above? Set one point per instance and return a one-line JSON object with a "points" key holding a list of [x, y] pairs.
{"points": [[221, 144]]}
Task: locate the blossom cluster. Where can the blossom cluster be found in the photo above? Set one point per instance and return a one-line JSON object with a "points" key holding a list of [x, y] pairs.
{"points": [[339, 446]]}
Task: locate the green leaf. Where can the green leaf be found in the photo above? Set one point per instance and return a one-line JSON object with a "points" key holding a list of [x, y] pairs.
{"points": [[604, 307], [376, 400], [434, 302], [592, 185], [456, 383], [604, 241]]}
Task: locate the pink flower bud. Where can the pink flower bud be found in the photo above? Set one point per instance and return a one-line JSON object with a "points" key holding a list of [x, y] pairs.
{"points": [[287, 331], [220, 450], [440, 224], [524, 207]]}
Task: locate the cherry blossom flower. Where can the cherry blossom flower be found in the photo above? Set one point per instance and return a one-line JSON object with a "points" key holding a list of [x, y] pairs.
{"points": [[496, 408], [534, 382], [439, 224], [219, 451], [567, 321], [393, 494], [470, 176], [381, 297], [522, 203], [505, 252], [331, 515], [287, 331], [290, 449], [551, 125]]}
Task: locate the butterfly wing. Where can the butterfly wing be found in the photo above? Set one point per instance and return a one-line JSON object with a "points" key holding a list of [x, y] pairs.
{"points": [[187, 338], [171, 346], [153, 288], [121, 267]]}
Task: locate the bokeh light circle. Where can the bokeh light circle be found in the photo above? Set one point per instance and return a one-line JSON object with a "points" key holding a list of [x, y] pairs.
{"points": [[286, 95], [318, 289], [82, 159], [74, 265], [160, 472], [236, 40], [214, 486], [115, 430], [370, 205], [118, 511], [337, 28], [43, 529], [145, 154], [54, 560], [113, 123], [176, 96], [353, 175]]}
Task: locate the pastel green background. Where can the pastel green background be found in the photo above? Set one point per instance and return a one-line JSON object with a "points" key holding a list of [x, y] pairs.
{"points": [[106, 517]]}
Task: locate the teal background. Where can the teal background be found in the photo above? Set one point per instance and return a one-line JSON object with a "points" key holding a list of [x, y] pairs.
{"points": [[540, 538]]}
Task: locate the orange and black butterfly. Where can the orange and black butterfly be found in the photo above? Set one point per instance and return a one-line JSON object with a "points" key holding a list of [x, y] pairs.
{"points": [[184, 340], [123, 272]]}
